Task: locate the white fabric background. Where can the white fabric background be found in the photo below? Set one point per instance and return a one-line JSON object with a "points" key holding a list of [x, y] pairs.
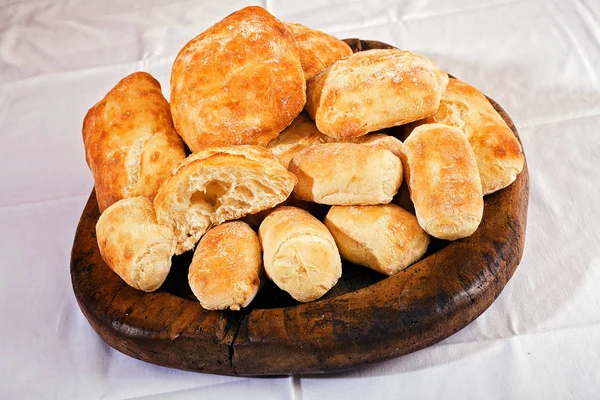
{"points": [[539, 59]]}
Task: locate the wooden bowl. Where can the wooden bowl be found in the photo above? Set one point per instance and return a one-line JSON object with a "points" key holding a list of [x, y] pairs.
{"points": [[365, 318]]}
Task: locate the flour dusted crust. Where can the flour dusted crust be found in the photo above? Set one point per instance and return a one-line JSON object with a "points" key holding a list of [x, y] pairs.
{"points": [[299, 253], [317, 50], [239, 82], [130, 142], [385, 237], [220, 184], [442, 176], [226, 268], [372, 90], [497, 150], [134, 245]]}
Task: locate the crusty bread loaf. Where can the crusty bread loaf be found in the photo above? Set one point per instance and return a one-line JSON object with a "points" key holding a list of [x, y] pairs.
{"points": [[346, 174], [130, 142], [385, 237], [217, 185], [299, 253], [497, 150], [226, 268], [239, 82], [441, 172], [134, 245], [372, 90], [317, 50]]}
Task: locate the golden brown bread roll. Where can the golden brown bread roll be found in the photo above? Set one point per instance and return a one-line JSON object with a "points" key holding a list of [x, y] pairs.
{"points": [[497, 150], [372, 90], [441, 172], [346, 174], [220, 184], [385, 237], [239, 82], [299, 253], [134, 245], [317, 49], [130, 142], [226, 268]]}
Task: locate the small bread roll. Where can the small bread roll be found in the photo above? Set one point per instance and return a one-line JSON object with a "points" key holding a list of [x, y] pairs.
{"points": [[317, 50], [220, 184], [497, 150], [444, 184], [226, 268], [385, 238], [372, 90], [299, 253], [346, 174], [130, 142], [239, 82], [134, 245]]}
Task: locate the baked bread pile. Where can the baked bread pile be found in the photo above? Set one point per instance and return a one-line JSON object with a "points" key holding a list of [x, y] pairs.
{"points": [[291, 168]]}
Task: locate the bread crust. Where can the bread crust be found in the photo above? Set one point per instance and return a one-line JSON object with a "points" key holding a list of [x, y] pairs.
{"points": [[130, 142]]}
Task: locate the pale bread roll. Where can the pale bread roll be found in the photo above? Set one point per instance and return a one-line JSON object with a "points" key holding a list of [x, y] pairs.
{"points": [[299, 253], [317, 49], [134, 245], [346, 174], [239, 82], [497, 150], [441, 172], [220, 184], [385, 237], [372, 90], [226, 268], [130, 142]]}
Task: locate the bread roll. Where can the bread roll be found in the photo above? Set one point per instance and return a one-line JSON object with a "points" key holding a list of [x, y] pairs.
{"points": [[317, 50], [220, 184], [374, 89], [346, 174], [497, 150], [239, 82], [134, 245], [385, 238], [443, 180], [299, 253], [226, 268], [130, 142]]}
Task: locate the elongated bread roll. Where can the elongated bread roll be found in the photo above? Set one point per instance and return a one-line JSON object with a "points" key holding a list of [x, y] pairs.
{"points": [[317, 50], [443, 180], [130, 142], [372, 90], [497, 150], [239, 82], [299, 253], [134, 245], [385, 237], [346, 174], [226, 268], [220, 184]]}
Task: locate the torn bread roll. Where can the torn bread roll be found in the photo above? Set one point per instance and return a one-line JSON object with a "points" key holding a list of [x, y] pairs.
{"points": [[220, 184], [385, 237], [130, 142], [134, 245], [497, 150], [226, 268], [346, 174], [239, 82], [299, 253], [372, 90], [317, 49], [441, 172]]}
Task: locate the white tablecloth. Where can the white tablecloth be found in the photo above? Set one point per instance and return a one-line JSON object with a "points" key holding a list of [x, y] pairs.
{"points": [[539, 59]]}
